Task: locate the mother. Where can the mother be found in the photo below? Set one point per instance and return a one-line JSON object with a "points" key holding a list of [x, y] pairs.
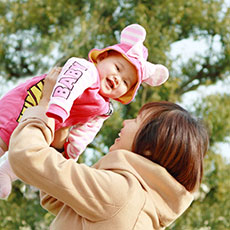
{"points": [[146, 181]]}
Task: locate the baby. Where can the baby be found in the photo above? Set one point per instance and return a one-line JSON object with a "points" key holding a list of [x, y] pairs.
{"points": [[81, 96]]}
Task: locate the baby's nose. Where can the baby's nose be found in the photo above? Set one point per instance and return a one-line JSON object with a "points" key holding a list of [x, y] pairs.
{"points": [[117, 80]]}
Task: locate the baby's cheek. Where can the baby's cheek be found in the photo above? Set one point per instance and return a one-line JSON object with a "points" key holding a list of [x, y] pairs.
{"points": [[123, 90]]}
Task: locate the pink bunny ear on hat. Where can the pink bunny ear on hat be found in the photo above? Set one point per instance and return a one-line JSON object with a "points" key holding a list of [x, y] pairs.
{"points": [[133, 34], [155, 75]]}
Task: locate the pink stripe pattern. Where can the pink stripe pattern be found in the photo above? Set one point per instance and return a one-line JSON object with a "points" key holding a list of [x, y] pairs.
{"points": [[133, 34]]}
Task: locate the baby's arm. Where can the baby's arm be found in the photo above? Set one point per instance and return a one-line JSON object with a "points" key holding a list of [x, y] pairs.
{"points": [[81, 135], [76, 76]]}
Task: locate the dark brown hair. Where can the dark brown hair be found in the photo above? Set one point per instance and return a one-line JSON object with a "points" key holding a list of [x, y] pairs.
{"points": [[172, 138]]}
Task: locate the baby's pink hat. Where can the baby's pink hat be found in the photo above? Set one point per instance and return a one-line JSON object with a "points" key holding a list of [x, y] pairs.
{"points": [[132, 48]]}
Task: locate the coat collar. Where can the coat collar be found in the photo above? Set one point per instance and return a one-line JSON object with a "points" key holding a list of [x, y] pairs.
{"points": [[169, 198]]}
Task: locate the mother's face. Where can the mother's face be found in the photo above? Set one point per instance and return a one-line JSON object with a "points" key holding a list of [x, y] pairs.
{"points": [[127, 134]]}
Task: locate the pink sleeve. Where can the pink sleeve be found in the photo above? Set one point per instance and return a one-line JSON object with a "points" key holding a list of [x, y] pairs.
{"points": [[57, 112], [81, 135], [76, 76]]}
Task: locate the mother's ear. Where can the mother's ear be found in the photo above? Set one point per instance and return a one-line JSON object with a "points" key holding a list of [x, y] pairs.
{"points": [[147, 153]]}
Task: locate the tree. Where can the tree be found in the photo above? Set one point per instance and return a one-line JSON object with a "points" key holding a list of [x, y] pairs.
{"points": [[35, 35], [22, 210]]}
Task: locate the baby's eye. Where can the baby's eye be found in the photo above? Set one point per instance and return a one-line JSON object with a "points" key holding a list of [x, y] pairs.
{"points": [[126, 83], [117, 67]]}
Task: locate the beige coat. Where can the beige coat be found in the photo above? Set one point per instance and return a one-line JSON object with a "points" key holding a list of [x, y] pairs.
{"points": [[122, 191]]}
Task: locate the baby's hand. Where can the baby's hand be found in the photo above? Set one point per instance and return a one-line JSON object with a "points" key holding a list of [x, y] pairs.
{"points": [[60, 137], [50, 81]]}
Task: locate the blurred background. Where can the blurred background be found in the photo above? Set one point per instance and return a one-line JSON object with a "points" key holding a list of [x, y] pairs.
{"points": [[190, 37]]}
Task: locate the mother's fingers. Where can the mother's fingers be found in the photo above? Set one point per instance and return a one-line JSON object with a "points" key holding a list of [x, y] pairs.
{"points": [[52, 76], [49, 83]]}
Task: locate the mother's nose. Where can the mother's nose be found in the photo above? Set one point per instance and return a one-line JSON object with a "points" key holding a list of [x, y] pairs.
{"points": [[126, 121]]}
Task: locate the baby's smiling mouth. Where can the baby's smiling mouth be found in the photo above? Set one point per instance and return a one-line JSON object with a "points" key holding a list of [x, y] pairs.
{"points": [[110, 82]]}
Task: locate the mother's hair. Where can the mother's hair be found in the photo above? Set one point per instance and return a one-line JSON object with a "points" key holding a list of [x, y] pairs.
{"points": [[172, 138]]}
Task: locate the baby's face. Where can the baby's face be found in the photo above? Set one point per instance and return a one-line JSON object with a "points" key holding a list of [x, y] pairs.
{"points": [[117, 75]]}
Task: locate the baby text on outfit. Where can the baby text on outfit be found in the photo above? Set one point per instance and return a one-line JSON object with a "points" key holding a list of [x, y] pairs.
{"points": [[68, 79]]}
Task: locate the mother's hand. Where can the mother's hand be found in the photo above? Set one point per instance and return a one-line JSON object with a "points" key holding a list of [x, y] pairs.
{"points": [[50, 81]]}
